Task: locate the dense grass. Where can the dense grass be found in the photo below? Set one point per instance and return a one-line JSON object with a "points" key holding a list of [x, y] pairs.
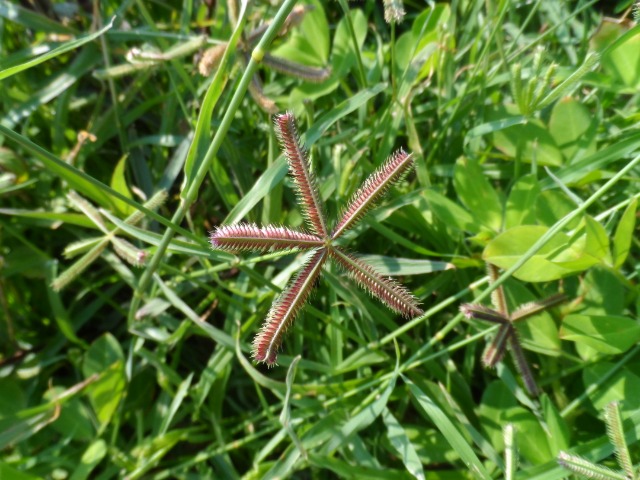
{"points": [[126, 340]]}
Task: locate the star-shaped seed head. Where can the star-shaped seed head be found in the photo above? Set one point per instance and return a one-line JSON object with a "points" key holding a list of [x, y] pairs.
{"points": [[318, 239], [507, 335]]}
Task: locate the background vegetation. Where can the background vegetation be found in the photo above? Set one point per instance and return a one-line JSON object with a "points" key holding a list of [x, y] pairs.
{"points": [[119, 362]]}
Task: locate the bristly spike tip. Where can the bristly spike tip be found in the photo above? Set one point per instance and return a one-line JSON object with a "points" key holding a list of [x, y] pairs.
{"points": [[373, 188], [285, 309], [387, 290], [250, 237], [300, 168]]}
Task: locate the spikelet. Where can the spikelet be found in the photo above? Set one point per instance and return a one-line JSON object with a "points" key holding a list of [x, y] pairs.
{"points": [[303, 176], [373, 188], [285, 309], [522, 365], [250, 237], [387, 290], [494, 353], [480, 312]]}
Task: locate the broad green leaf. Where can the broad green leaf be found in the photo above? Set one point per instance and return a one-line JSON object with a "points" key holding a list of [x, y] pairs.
{"points": [[105, 359], [308, 44], [65, 47], [449, 430], [611, 334], [119, 184], [573, 127], [13, 398], [402, 445], [477, 194], [91, 457], [552, 205], [602, 292], [620, 63], [597, 241], [496, 400], [533, 442], [508, 247], [75, 420], [624, 234], [521, 202], [622, 386], [530, 142], [343, 57], [581, 250], [451, 214]]}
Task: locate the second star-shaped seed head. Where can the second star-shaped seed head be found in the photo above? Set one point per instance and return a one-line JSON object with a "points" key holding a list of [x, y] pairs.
{"points": [[318, 239]]}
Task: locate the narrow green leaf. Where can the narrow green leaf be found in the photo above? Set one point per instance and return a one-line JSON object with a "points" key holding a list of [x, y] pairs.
{"points": [[198, 147], [450, 432], [404, 266], [178, 398], [403, 446], [65, 47], [120, 185], [35, 21]]}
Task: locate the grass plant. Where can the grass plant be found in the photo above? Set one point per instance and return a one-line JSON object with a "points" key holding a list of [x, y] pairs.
{"points": [[126, 340]]}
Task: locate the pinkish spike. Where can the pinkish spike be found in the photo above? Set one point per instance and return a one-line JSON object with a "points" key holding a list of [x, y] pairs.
{"points": [[303, 176], [285, 309], [247, 236], [373, 188]]}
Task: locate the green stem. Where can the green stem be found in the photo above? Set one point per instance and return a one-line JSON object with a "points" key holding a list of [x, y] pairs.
{"points": [[192, 189]]}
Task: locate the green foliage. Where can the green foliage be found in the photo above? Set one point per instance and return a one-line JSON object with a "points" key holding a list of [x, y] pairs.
{"points": [[125, 340]]}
